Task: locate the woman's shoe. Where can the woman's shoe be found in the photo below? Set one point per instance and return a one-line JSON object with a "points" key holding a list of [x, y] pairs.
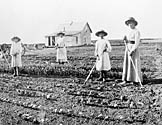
{"points": [[15, 72], [108, 79], [131, 83], [14, 75], [100, 79], [122, 83], [135, 83]]}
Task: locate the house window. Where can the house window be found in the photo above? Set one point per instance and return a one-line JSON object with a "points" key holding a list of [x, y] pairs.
{"points": [[49, 41], [85, 40], [53, 40], [76, 40]]}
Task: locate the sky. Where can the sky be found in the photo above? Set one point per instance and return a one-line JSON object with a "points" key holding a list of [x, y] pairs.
{"points": [[32, 20]]}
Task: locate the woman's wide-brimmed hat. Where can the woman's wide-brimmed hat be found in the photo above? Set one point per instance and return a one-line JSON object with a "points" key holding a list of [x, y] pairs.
{"points": [[60, 33], [15, 38], [131, 19], [101, 32]]}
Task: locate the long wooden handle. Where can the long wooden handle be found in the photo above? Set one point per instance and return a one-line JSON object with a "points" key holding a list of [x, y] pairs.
{"points": [[6, 60], [90, 73], [134, 66], [136, 72]]}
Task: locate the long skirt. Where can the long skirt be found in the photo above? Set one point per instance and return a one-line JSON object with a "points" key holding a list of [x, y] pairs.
{"points": [[129, 73], [103, 62], [16, 61], [61, 55]]}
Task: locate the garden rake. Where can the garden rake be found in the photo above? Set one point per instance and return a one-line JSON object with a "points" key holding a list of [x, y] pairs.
{"points": [[3, 54], [90, 73], [134, 66], [92, 70]]}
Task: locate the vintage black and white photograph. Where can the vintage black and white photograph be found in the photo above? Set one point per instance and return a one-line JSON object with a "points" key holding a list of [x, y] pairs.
{"points": [[80, 62]]}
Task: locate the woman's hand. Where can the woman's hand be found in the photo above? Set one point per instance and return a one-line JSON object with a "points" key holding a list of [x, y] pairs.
{"points": [[98, 58], [125, 39], [131, 53], [14, 54], [56, 47], [105, 50]]}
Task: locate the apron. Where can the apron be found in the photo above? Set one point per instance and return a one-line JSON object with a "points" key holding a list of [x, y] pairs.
{"points": [[103, 59], [15, 52], [61, 51]]}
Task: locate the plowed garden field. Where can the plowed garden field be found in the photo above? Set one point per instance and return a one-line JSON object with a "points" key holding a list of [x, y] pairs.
{"points": [[50, 94]]}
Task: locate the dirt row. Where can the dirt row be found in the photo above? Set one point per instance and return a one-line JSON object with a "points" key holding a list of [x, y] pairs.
{"points": [[49, 100]]}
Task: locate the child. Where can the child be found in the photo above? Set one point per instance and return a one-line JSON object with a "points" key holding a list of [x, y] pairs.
{"points": [[102, 50], [15, 52]]}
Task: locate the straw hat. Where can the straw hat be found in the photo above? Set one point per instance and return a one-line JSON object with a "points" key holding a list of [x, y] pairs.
{"points": [[60, 33], [101, 32], [131, 19], [15, 38]]}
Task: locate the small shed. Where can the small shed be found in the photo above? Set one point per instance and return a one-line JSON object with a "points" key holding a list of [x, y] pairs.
{"points": [[76, 34], [30, 46], [40, 46]]}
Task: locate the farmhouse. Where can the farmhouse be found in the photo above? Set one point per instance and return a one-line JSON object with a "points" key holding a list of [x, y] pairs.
{"points": [[75, 34]]}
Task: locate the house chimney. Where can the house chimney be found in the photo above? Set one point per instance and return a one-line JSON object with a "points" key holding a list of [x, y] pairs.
{"points": [[71, 22]]}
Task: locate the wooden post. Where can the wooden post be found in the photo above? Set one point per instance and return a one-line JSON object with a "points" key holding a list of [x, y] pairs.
{"points": [[53, 40], [49, 41]]}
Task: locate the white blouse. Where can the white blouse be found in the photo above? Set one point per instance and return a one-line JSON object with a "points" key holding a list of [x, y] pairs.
{"points": [[16, 48], [134, 35], [101, 45], [60, 42]]}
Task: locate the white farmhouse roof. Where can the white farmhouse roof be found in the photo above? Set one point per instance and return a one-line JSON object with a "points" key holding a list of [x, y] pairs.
{"points": [[71, 28]]}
